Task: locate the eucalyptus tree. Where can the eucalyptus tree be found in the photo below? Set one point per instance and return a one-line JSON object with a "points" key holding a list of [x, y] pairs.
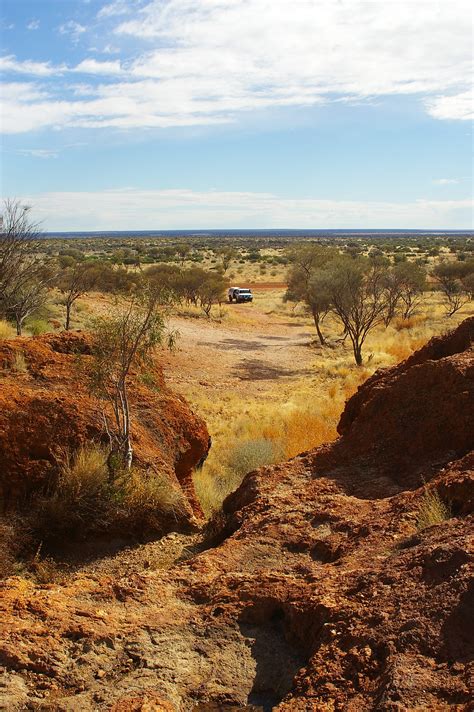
{"points": [[358, 295], [307, 282], [123, 340]]}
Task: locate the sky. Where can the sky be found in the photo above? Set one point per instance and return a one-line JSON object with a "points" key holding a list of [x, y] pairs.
{"points": [[195, 114]]}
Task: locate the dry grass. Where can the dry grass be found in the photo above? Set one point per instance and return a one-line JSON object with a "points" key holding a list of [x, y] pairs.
{"points": [[432, 510], [290, 420], [149, 494], [19, 364], [6, 330], [84, 474], [85, 501], [301, 413]]}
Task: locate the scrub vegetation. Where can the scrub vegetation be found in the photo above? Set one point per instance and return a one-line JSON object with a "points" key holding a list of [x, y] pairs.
{"points": [[270, 378]]}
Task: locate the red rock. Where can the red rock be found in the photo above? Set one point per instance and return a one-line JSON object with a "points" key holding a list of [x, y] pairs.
{"points": [[322, 594], [49, 408]]}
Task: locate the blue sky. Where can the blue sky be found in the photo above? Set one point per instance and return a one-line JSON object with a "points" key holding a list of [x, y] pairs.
{"points": [[144, 114]]}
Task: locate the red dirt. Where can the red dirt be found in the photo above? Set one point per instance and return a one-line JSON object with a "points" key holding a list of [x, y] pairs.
{"points": [[318, 592], [48, 408]]}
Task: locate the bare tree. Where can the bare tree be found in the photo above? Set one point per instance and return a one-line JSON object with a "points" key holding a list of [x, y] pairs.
{"points": [[227, 254], [412, 280], [122, 341], [21, 265], [182, 250], [393, 293]]}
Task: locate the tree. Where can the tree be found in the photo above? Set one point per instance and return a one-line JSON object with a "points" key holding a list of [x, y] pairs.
{"points": [[393, 290], [74, 282], [24, 299], [468, 284], [166, 277], [227, 254], [189, 283], [21, 264], [182, 250], [307, 283], [358, 297], [411, 278], [211, 291], [124, 340], [450, 276]]}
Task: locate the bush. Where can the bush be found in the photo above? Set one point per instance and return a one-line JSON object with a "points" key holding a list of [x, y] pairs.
{"points": [[83, 477], [37, 326], [432, 510], [248, 455], [148, 500], [77, 502], [85, 501]]}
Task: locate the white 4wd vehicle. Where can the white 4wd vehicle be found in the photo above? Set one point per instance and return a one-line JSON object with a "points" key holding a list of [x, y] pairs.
{"points": [[239, 295]]}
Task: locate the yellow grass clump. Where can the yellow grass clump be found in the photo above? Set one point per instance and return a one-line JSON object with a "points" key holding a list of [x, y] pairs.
{"points": [[6, 330], [432, 510]]}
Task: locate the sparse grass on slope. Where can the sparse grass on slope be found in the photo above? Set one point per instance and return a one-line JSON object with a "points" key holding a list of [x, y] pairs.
{"points": [[432, 510]]}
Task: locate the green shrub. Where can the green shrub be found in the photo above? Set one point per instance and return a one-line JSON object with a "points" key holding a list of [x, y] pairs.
{"points": [[37, 326], [250, 454]]}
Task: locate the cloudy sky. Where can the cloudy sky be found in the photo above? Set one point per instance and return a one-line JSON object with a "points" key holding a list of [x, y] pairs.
{"points": [[156, 114]]}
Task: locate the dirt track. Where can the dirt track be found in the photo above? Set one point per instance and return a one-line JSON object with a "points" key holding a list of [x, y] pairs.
{"points": [[223, 356]]}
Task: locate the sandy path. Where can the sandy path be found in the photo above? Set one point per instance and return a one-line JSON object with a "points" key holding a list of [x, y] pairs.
{"points": [[248, 358]]}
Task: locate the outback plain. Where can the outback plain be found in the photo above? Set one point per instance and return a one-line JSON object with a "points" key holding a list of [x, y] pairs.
{"points": [[214, 506]]}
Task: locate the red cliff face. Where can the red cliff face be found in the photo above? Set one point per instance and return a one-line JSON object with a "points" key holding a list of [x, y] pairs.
{"points": [[319, 594], [46, 408]]}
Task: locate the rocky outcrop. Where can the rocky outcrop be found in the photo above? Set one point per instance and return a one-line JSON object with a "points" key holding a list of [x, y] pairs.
{"points": [[47, 409], [417, 414], [321, 594]]}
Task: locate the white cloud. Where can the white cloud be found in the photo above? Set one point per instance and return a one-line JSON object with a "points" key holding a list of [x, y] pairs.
{"points": [[40, 69], [73, 29], [446, 181], [107, 107], [133, 209], [45, 69], [92, 66], [348, 47], [457, 106], [208, 61], [119, 7], [109, 49], [33, 25]]}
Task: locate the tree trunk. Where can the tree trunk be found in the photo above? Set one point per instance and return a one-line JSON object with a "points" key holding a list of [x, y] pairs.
{"points": [[357, 348], [67, 325], [321, 338], [19, 324]]}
